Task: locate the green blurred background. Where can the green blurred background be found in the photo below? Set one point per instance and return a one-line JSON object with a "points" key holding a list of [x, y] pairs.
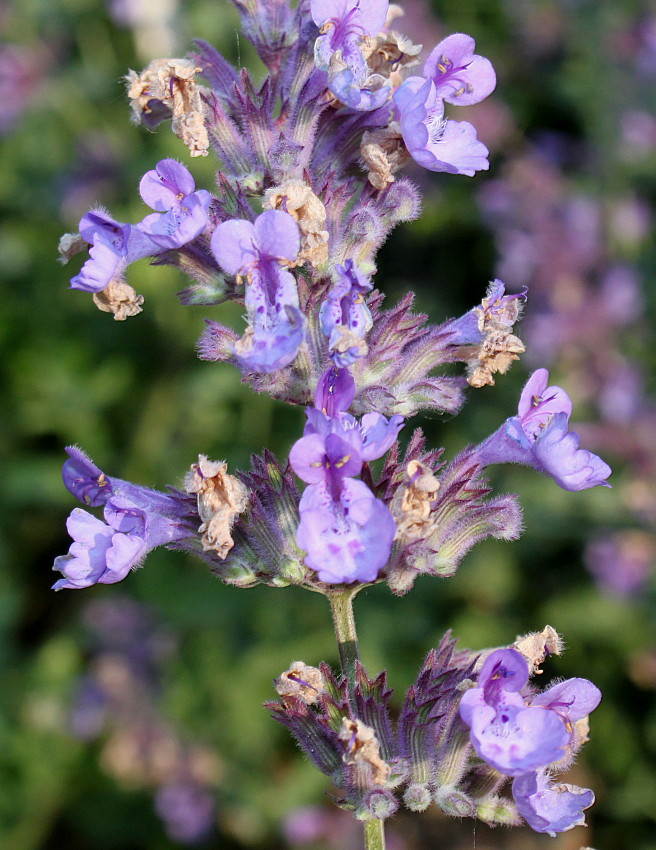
{"points": [[187, 662]]}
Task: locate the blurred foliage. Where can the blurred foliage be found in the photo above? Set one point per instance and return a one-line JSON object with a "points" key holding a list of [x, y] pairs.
{"points": [[136, 398]]}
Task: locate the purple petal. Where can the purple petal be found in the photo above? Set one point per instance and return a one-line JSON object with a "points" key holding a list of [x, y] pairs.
{"points": [[557, 451], [548, 807], [104, 261], [233, 245], [166, 185], [378, 434], [84, 479], [335, 391], [277, 235], [575, 698], [459, 75]]}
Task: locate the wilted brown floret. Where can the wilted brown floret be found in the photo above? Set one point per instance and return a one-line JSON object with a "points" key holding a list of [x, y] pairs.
{"points": [[221, 497], [119, 298], [535, 647], [301, 681], [307, 209], [411, 505], [166, 89], [383, 153], [362, 748], [499, 346]]}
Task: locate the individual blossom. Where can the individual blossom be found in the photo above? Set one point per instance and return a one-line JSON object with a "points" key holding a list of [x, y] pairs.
{"points": [[549, 806], [539, 437], [344, 315], [257, 252], [136, 520], [516, 735], [505, 732], [345, 531], [343, 26], [181, 211], [452, 73], [434, 141], [363, 749]]}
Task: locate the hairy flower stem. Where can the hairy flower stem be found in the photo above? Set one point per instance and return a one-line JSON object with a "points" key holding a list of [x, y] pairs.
{"points": [[341, 607], [374, 834]]}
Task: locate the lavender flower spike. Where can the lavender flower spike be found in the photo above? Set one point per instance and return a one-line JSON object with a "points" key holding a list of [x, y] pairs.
{"points": [[539, 437], [181, 212], [550, 807], [257, 251]]}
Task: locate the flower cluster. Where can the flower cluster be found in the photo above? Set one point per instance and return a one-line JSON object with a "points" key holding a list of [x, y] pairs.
{"points": [[455, 742], [306, 193], [526, 737]]}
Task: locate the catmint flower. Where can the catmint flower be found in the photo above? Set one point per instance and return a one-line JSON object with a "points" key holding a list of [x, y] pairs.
{"points": [[459, 75], [343, 24], [345, 531], [181, 211], [550, 807], [539, 437], [452, 73], [256, 251], [435, 142], [506, 733], [514, 735], [136, 520], [344, 316], [108, 253]]}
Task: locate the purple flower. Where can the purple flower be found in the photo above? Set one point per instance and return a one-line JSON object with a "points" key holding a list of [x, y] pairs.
{"points": [[343, 24], [181, 212], [137, 520], [344, 316], [550, 807], [335, 391], [459, 75], [432, 140], [539, 437], [256, 251], [345, 531], [506, 733], [346, 537], [114, 245], [108, 252]]}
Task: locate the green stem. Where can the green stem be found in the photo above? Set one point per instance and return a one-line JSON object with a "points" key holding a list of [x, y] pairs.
{"points": [[374, 834], [341, 607]]}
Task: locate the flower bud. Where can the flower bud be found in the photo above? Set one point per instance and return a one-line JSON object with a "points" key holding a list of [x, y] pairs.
{"points": [[417, 797]]}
